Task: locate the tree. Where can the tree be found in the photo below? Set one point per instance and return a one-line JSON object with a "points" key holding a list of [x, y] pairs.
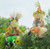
{"points": [[4, 23], [48, 17]]}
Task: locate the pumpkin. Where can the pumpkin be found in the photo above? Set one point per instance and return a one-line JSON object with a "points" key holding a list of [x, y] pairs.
{"points": [[41, 32], [35, 29]]}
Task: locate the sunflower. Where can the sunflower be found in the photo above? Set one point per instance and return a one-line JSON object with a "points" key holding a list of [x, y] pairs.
{"points": [[17, 41], [38, 12]]}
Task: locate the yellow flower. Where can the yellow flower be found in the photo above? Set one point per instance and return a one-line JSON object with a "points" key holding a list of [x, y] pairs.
{"points": [[17, 41]]}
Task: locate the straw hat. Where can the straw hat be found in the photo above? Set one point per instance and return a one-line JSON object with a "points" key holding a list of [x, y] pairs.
{"points": [[39, 11]]}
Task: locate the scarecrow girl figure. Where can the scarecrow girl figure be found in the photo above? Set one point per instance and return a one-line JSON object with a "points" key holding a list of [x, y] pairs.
{"points": [[38, 24]]}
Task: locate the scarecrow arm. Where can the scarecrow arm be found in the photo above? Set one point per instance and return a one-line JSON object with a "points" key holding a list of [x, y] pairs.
{"points": [[19, 30], [32, 29], [7, 33]]}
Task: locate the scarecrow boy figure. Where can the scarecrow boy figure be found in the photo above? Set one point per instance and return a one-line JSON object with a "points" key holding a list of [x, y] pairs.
{"points": [[13, 30]]}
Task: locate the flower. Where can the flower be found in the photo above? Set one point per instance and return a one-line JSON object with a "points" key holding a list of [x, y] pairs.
{"points": [[39, 10], [17, 41]]}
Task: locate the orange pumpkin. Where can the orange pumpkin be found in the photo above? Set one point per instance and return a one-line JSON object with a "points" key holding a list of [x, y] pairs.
{"points": [[36, 30]]}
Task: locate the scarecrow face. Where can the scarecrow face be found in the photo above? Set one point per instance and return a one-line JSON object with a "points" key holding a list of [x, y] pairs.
{"points": [[14, 24], [38, 15]]}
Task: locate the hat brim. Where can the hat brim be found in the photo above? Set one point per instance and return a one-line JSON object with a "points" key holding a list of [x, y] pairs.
{"points": [[42, 13]]}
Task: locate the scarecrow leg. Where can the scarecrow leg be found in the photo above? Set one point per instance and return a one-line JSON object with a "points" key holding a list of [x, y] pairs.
{"points": [[11, 44], [6, 43], [29, 33]]}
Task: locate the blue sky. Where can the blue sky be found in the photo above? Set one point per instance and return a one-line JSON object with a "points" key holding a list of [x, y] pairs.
{"points": [[25, 7]]}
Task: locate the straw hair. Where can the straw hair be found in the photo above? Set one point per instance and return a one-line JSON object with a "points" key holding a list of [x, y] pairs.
{"points": [[18, 16]]}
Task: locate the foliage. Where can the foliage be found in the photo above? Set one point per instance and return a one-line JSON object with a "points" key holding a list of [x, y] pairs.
{"points": [[2, 38], [23, 28], [48, 17], [4, 23], [25, 41]]}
